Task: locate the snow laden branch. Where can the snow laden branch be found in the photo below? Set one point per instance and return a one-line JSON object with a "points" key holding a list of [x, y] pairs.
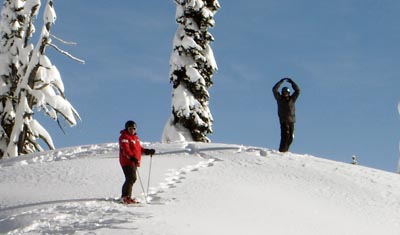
{"points": [[192, 66], [38, 87]]}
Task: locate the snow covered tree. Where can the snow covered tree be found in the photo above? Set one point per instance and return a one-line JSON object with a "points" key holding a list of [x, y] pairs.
{"points": [[354, 160], [28, 80], [398, 163], [398, 166], [192, 66]]}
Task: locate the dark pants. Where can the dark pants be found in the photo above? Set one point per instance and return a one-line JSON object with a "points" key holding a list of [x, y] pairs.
{"points": [[130, 179], [287, 134]]}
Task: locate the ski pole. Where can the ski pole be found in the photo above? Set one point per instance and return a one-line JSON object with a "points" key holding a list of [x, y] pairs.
{"points": [[148, 181], [141, 184]]}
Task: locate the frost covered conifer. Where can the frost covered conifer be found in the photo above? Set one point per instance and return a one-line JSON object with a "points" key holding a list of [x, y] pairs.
{"points": [[398, 166], [354, 160], [28, 80], [192, 65]]}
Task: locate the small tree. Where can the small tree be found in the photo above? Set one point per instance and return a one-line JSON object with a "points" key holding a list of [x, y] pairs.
{"points": [[398, 163], [28, 79], [398, 166], [354, 160], [192, 66]]}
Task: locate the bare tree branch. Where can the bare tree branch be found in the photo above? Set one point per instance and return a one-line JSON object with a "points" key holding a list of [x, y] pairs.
{"points": [[66, 53], [62, 41]]}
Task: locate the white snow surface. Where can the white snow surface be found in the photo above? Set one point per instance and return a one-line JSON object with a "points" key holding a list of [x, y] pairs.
{"points": [[196, 188]]}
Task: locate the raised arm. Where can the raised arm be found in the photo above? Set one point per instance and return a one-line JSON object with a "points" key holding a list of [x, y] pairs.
{"points": [[295, 88], [275, 89]]}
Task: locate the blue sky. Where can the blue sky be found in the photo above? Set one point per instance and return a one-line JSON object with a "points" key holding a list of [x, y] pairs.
{"points": [[343, 54]]}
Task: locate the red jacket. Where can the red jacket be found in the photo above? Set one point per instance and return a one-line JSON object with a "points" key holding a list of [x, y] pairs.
{"points": [[129, 147]]}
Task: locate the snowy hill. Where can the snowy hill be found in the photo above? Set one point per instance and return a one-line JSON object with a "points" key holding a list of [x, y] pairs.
{"points": [[196, 189]]}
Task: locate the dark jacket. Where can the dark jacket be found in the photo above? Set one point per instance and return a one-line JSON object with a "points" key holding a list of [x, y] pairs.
{"points": [[286, 107]]}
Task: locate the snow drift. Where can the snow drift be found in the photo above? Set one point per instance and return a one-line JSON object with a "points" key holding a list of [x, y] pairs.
{"points": [[196, 189]]}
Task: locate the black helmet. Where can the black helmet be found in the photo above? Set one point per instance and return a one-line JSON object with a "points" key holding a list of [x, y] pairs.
{"points": [[130, 123], [285, 89]]}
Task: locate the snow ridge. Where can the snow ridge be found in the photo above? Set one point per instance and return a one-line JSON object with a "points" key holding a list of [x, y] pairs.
{"points": [[195, 189]]}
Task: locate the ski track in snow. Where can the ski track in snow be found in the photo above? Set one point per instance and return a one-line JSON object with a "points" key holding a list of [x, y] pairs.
{"points": [[70, 216]]}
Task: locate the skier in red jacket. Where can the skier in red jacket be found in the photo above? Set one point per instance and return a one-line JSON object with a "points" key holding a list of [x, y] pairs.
{"points": [[130, 155]]}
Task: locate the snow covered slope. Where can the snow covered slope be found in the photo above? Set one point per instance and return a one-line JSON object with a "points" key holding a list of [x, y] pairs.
{"points": [[196, 189]]}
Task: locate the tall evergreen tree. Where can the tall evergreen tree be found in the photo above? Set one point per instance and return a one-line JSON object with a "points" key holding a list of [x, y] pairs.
{"points": [[192, 66], [28, 80]]}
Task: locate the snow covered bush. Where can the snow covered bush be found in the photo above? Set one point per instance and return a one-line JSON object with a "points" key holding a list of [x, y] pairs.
{"points": [[28, 80], [192, 65]]}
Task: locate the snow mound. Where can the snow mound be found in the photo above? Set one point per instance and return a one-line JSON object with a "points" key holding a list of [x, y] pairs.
{"points": [[195, 188]]}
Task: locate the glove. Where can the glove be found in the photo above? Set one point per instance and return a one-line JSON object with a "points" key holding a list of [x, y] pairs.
{"points": [[289, 80], [149, 151], [134, 160]]}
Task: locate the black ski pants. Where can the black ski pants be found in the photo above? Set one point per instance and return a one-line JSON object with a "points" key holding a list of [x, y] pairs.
{"points": [[287, 135], [130, 179]]}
